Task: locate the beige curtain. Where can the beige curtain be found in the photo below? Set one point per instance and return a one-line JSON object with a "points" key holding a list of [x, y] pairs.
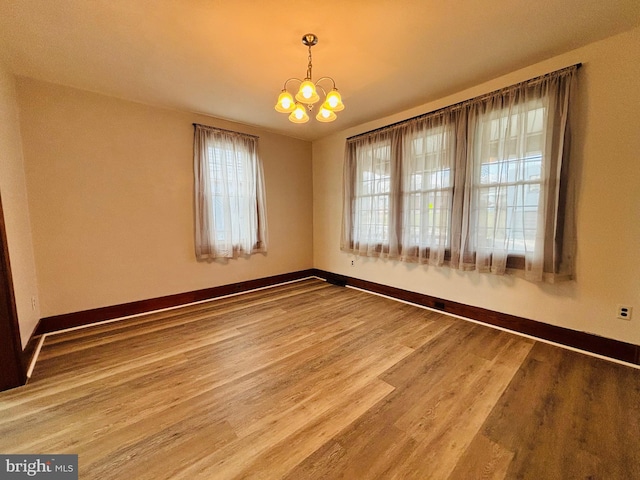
{"points": [[372, 184], [482, 185], [514, 200], [428, 167], [230, 210]]}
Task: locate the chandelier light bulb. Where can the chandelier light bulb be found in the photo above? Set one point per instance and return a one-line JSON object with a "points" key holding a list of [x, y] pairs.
{"points": [[334, 101], [307, 92], [285, 103], [325, 115], [299, 114]]}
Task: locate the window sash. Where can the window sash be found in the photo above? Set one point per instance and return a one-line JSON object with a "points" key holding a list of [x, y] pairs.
{"points": [[507, 184], [372, 196], [428, 167]]}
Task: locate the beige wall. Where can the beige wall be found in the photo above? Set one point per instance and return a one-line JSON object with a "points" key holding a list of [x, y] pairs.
{"points": [[607, 150], [110, 187], [16, 212]]}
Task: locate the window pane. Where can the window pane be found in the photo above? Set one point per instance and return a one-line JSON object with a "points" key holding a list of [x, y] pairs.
{"points": [[373, 184], [232, 200], [428, 167], [508, 179]]}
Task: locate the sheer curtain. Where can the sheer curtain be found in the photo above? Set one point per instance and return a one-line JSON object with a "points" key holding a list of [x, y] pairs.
{"points": [[428, 170], [482, 185], [229, 195], [398, 187], [514, 178], [371, 187]]}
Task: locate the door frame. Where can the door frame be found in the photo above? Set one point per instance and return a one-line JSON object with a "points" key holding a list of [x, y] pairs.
{"points": [[12, 371]]}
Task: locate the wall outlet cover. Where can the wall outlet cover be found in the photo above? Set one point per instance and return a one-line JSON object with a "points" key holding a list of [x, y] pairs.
{"points": [[624, 312]]}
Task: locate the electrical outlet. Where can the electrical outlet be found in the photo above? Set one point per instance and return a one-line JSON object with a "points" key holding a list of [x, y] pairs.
{"points": [[33, 303], [353, 263], [624, 312]]}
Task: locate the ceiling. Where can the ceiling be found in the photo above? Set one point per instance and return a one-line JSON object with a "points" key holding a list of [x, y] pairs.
{"points": [[229, 59]]}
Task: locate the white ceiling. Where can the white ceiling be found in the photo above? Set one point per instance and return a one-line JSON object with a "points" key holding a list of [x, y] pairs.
{"points": [[229, 59]]}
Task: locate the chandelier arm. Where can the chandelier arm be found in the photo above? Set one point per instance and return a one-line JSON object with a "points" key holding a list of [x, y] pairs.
{"points": [[284, 87], [325, 78]]}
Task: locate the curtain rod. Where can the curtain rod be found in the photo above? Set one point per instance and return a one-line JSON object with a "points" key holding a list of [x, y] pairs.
{"points": [[456, 106], [224, 130]]}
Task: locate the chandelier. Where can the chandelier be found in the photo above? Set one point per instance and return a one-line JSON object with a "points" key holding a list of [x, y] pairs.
{"points": [[307, 94]]}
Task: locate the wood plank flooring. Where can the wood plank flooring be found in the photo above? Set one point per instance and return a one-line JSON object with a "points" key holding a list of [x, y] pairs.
{"points": [[312, 381]]}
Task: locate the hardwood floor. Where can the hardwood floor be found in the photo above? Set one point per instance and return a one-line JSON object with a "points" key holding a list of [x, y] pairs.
{"points": [[310, 380]]}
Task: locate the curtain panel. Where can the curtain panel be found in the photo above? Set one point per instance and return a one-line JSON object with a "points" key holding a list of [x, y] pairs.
{"points": [[481, 185], [230, 210]]}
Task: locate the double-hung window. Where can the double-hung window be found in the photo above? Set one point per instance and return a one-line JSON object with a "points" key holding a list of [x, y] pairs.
{"points": [[482, 185], [229, 194], [507, 181], [400, 186], [373, 195], [427, 166]]}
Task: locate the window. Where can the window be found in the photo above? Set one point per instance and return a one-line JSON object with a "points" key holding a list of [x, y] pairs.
{"points": [[508, 167], [427, 190], [479, 184], [400, 187], [229, 194], [372, 191]]}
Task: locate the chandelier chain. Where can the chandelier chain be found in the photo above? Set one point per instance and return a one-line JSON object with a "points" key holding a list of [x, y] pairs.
{"points": [[309, 66]]}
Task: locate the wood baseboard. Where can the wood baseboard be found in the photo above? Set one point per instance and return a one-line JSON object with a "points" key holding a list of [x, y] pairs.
{"points": [[86, 317], [588, 342], [30, 349]]}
